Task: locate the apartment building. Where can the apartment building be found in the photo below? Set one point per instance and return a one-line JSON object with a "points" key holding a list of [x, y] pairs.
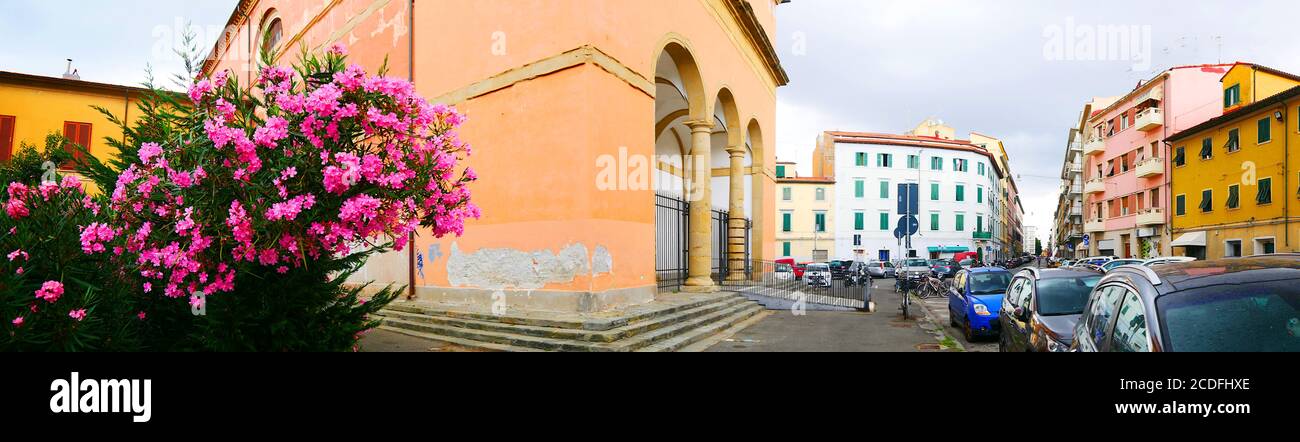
{"points": [[805, 209]]}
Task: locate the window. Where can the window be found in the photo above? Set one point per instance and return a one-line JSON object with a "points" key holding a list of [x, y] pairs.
{"points": [[961, 193], [913, 161], [884, 220], [959, 165], [980, 166], [819, 220], [780, 171], [1232, 248], [787, 193], [271, 34], [1180, 205], [785, 248], [785, 221], [859, 189], [961, 222], [859, 221], [934, 191], [884, 160], [1232, 96], [1180, 157], [1234, 140], [1265, 195], [6, 137], [1124, 205], [79, 134], [979, 223], [884, 189], [936, 163], [979, 195], [1265, 130], [1123, 161], [1100, 311], [1207, 148], [1131, 326], [1234, 199], [1207, 200], [1155, 197], [821, 194], [934, 221], [857, 240], [862, 159], [1265, 246]]}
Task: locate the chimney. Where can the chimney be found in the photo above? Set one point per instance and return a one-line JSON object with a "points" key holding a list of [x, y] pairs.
{"points": [[71, 74]]}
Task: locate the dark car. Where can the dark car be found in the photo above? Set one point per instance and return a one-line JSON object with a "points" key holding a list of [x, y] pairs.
{"points": [[1042, 307], [944, 268], [1228, 305], [839, 269]]}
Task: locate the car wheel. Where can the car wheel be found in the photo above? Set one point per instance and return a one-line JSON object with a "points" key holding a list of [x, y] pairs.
{"points": [[968, 331]]}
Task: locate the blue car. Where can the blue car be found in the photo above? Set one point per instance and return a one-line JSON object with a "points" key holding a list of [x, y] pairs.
{"points": [[974, 301]]}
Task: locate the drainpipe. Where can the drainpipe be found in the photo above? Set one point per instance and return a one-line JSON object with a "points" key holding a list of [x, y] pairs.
{"points": [[410, 76], [1286, 176]]}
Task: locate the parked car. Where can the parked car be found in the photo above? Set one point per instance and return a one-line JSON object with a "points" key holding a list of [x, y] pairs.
{"points": [[1167, 260], [839, 268], [881, 269], [817, 276], [912, 267], [974, 301], [1066, 263], [796, 268], [1227, 305], [784, 272], [944, 268], [1096, 260], [1042, 307], [1120, 262]]}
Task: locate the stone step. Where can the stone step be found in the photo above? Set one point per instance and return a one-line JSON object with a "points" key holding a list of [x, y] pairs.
{"points": [[651, 336], [684, 340], [628, 331], [569, 321], [475, 345]]}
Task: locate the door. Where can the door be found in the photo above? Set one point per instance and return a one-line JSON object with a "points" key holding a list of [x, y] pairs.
{"points": [[884, 255], [957, 298], [1014, 331]]}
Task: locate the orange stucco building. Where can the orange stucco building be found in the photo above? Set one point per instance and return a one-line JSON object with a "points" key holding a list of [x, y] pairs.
{"points": [[580, 111]]}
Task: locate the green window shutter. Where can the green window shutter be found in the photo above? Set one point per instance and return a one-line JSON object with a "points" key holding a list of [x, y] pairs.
{"points": [[934, 191], [1207, 148], [1180, 205], [961, 193], [819, 220], [1234, 192], [785, 222], [780, 171], [884, 189], [1265, 195], [787, 194], [859, 221], [934, 221], [1207, 201], [859, 189], [862, 158], [884, 221], [979, 223], [785, 249], [913, 162], [961, 223], [1180, 156], [979, 195], [1265, 130]]}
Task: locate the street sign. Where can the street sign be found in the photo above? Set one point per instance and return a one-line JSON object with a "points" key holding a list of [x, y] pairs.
{"points": [[908, 199], [909, 225], [1086, 239]]}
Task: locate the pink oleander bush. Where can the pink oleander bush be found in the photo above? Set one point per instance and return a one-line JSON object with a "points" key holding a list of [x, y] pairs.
{"points": [[253, 205]]}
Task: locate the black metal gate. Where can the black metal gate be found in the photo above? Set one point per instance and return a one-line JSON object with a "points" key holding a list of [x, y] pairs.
{"points": [[672, 240]]}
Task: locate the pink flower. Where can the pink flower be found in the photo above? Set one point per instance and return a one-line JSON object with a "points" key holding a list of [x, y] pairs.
{"points": [[140, 315], [148, 287], [148, 151], [17, 322], [50, 291], [338, 49], [16, 253], [78, 314], [94, 236], [16, 208]]}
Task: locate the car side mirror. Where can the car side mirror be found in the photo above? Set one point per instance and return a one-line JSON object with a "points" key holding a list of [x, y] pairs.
{"points": [[1020, 313]]}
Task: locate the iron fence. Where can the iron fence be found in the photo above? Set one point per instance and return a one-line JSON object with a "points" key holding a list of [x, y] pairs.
{"points": [[672, 240], [775, 280]]}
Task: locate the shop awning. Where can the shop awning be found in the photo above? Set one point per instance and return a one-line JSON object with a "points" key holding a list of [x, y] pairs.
{"points": [[1196, 239], [949, 249]]}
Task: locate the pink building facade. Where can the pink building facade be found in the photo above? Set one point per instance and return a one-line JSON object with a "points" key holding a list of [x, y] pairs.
{"points": [[1127, 164]]}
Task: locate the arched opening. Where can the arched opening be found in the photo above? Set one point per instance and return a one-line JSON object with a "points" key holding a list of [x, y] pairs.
{"points": [[270, 34], [754, 207], [680, 106]]}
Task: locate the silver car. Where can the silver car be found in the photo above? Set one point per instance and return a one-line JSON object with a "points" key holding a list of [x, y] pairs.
{"points": [[880, 269], [817, 275]]}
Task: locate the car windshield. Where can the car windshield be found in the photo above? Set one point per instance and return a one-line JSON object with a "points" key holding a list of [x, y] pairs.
{"points": [[987, 283], [916, 263], [1253, 317], [783, 267], [1064, 296]]}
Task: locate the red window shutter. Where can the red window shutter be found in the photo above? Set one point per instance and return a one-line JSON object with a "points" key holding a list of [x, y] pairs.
{"points": [[78, 133], [6, 137]]}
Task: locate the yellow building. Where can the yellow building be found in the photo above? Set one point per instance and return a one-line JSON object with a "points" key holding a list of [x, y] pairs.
{"points": [[1233, 194], [33, 106], [805, 213]]}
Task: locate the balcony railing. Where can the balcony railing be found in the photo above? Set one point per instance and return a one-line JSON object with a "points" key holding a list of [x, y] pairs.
{"points": [[1150, 119], [1093, 146], [1095, 185], [982, 235], [1153, 216], [1151, 167], [1076, 167], [1094, 226]]}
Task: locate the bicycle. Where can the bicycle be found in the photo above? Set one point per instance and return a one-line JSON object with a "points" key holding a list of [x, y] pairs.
{"points": [[932, 287]]}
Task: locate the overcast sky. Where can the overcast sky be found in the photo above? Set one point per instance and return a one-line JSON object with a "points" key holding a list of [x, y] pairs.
{"points": [[878, 65], [884, 66]]}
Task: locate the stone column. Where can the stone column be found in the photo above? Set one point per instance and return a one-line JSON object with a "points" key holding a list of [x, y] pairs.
{"points": [[736, 224], [699, 270]]}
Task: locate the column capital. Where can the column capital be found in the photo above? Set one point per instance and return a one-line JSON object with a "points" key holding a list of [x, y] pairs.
{"points": [[736, 151], [699, 125]]}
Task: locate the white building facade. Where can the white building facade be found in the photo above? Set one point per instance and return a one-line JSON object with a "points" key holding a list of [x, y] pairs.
{"points": [[956, 182]]}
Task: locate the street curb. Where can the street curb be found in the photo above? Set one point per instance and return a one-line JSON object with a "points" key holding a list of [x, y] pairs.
{"points": [[940, 335]]}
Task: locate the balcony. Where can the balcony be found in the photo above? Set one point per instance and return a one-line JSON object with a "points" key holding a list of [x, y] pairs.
{"points": [[1154, 216], [1076, 167], [982, 235], [1151, 167], [1094, 226], [1095, 185], [1094, 146], [1150, 119], [1077, 210]]}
